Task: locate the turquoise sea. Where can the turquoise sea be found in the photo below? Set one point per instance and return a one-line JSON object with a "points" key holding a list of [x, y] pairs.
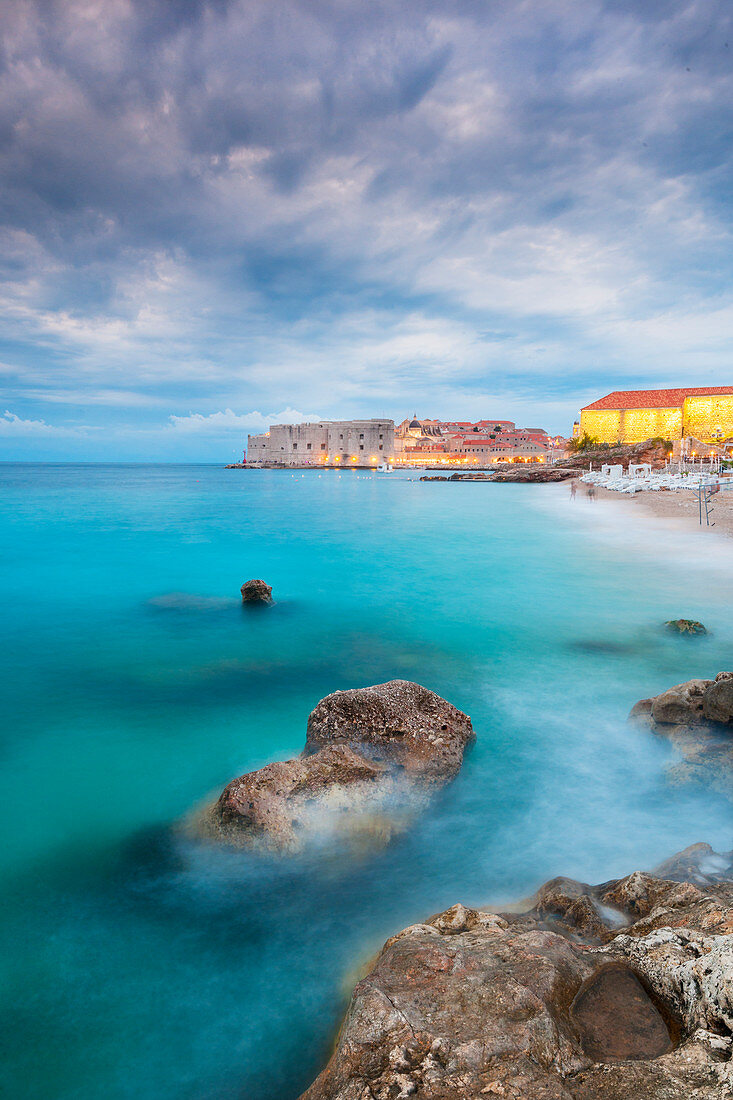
{"points": [[140, 966]]}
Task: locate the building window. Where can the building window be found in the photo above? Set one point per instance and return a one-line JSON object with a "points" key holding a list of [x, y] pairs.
{"points": [[381, 446], [307, 446], [323, 446], [361, 445], [381, 436], [295, 446], [361, 436], [341, 436]]}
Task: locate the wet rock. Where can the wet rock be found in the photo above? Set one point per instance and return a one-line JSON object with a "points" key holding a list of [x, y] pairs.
{"points": [[400, 723], [530, 474], [372, 756], [256, 591], [682, 703], [617, 1019], [473, 1004], [698, 864], [277, 803], [685, 626], [717, 703], [697, 718], [641, 712]]}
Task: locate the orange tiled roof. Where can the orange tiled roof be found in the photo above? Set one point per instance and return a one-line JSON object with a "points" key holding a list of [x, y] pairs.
{"points": [[655, 399]]}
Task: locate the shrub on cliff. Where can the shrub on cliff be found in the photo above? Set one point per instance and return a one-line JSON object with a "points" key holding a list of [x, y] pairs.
{"points": [[585, 442]]}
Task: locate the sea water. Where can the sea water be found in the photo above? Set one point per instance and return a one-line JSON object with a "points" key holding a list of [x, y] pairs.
{"points": [[141, 966]]}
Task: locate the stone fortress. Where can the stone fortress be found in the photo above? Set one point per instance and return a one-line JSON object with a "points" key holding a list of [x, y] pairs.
{"points": [[327, 443], [358, 444]]}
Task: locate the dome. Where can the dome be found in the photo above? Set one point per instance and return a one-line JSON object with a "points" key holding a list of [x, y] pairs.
{"points": [[414, 423]]}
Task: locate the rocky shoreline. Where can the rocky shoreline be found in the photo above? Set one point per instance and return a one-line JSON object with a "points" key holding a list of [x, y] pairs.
{"points": [[622, 991], [514, 473], [654, 453], [618, 991]]}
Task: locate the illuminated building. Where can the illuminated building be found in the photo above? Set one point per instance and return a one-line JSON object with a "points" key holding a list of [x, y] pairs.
{"points": [[342, 443], [425, 443], [632, 416]]}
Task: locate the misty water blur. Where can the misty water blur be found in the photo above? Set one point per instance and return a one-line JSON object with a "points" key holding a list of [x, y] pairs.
{"points": [[145, 965]]}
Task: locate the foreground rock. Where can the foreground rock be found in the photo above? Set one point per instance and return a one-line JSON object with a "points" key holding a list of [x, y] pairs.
{"points": [[616, 992], [697, 717], [371, 758], [256, 591]]}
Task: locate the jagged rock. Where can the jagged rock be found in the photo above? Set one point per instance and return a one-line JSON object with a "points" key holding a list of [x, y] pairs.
{"points": [[372, 756], [256, 591], [685, 626], [698, 864], [473, 1004], [696, 717]]}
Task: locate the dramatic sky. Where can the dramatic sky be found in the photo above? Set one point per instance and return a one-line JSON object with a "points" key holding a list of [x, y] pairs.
{"points": [[220, 212]]}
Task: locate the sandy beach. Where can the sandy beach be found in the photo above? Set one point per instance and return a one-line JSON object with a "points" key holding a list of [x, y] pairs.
{"points": [[678, 504]]}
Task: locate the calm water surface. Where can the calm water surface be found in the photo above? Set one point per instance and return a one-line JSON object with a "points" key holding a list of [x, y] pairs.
{"points": [[140, 966]]}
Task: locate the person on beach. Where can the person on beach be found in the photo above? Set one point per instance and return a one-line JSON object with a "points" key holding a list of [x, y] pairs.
{"points": [[573, 490], [591, 492]]}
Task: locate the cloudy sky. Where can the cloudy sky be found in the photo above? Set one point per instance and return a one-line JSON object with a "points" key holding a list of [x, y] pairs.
{"points": [[221, 212]]}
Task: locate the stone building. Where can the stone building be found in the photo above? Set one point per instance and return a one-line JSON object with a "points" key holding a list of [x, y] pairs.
{"points": [[632, 416], [426, 443], [326, 443], [489, 448]]}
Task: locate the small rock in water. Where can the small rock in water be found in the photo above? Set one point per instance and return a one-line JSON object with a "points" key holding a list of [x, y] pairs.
{"points": [[256, 591], [685, 626]]}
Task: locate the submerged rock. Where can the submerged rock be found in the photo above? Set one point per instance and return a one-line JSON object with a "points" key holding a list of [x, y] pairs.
{"points": [[472, 1004], [697, 717], [685, 626], [256, 591], [372, 756]]}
